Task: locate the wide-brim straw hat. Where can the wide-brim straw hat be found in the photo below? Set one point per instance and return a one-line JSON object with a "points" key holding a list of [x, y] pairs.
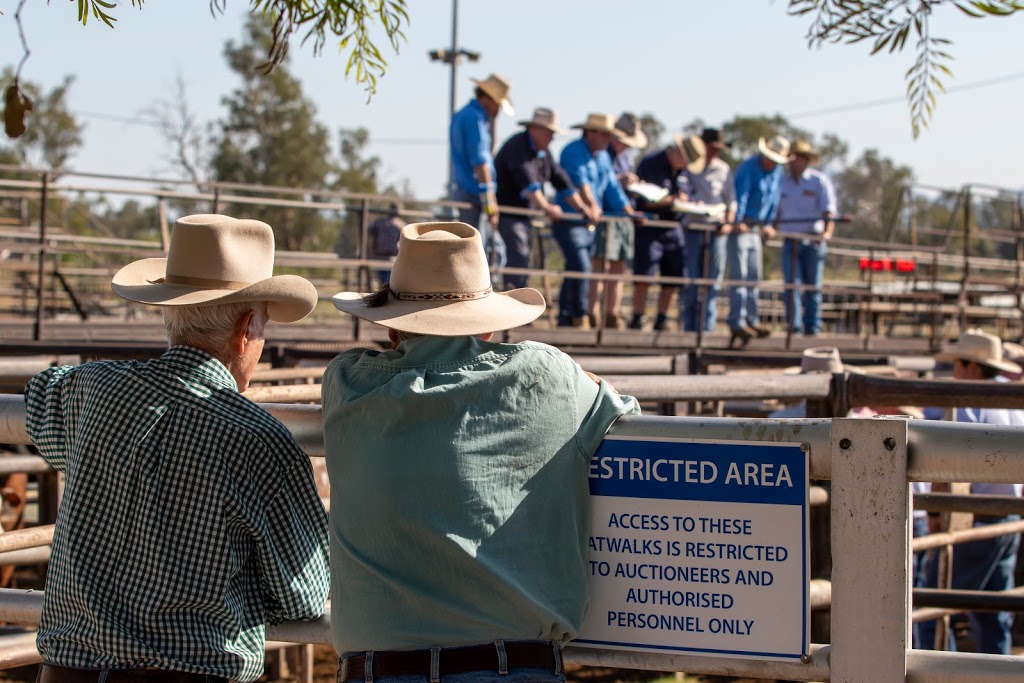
{"points": [[692, 147], [982, 348], [440, 285], [802, 148], [776, 149], [214, 259], [602, 123], [628, 131], [497, 87], [820, 359], [544, 118]]}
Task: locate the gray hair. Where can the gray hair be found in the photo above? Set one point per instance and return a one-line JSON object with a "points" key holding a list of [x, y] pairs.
{"points": [[210, 327]]}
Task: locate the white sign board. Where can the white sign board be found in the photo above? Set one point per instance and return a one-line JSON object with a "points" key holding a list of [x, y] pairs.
{"points": [[698, 547]]}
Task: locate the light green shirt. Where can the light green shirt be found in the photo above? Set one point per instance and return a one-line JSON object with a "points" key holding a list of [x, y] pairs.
{"points": [[459, 495]]}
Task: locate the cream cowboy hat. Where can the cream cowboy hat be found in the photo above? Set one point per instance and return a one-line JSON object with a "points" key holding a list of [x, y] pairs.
{"points": [[802, 148], [545, 118], [440, 285], [629, 132], [692, 147], [602, 123], [776, 149], [819, 359], [215, 259], [982, 348], [497, 86]]}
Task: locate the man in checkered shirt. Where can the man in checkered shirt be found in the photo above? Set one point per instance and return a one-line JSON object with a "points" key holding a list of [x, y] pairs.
{"points": [[190, 517]]}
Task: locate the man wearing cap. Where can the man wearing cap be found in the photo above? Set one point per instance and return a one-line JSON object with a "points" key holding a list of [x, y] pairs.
{"points": [[712, 186], [190, 518], [987, 564], [807, 206], [660, 249], [524, 164], [589, 167], [382, 238], [757, 200], [471, 136], [473, 458], [614, 237]]}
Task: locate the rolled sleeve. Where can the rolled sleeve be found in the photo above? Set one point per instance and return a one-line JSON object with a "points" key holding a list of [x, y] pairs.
{"points": [[828, 196], [600, 406], [293, 553], [46, 396]]}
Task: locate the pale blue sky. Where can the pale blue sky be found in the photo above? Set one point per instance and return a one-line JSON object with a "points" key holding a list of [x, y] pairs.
{"points": [[677, 59]]}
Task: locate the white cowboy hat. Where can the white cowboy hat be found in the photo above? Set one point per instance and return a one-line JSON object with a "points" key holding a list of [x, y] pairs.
{"points": [[215, 259], [776, 149], [440, 285], [545, 118], [629, 132], [802, 148], [497, 86], [692, 147], [819, 359], [602, 123], [982, 348]]}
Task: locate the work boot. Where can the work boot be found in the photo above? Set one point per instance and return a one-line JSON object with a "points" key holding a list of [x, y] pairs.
{"points": [[614, 322], [583, 322], [637, 323], [758, 331], [661, 323]]}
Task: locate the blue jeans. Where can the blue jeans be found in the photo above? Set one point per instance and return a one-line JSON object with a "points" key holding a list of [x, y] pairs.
{"points": [[696, 243], [919, 576], [743, 256], [809, 270], [494, 246], [981, 565], [576, 242], [517, 234]]}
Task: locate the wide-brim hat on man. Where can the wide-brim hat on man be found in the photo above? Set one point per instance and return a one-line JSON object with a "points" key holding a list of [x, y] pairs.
{"points": [[692, 147], [214, 259], [497, 87], [817, 359], [980, 347], [602, 123], [629, 132], [440, 285], [713, 137], [776, 149], [544, 118], [802, 148]]}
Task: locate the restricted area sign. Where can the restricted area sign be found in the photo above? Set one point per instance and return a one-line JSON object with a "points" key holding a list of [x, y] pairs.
{"points": [[698, 547]]}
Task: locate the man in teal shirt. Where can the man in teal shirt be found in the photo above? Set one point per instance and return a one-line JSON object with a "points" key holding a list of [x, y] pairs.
{"points": [[458, 466]]}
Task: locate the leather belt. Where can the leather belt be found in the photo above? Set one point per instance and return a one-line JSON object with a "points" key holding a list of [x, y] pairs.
{"points": [[518, 654], [61, 674]]}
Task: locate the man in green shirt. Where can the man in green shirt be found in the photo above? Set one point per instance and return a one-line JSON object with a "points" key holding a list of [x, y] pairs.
{"points": [[458, 466], [190, 518]]}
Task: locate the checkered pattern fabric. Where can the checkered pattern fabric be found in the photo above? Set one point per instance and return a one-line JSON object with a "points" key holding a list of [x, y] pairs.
{"points": [[190, 518]]}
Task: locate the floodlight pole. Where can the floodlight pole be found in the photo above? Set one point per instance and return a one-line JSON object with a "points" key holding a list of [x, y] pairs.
{"points": [[451, 57]]}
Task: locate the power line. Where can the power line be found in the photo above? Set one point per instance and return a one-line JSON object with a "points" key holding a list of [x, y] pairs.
{"points": [[896, 100]]}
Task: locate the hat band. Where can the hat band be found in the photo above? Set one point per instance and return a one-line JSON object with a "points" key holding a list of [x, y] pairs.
{"points": [[204, 282], [442, 296]]}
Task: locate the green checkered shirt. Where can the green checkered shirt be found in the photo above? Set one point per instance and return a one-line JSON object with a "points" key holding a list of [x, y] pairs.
{"points": [[190, 518]]}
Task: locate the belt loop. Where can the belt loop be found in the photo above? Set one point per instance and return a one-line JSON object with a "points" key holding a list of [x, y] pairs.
{"points": [[435, 664], [558, 657], [502, 657], [368, 667]]}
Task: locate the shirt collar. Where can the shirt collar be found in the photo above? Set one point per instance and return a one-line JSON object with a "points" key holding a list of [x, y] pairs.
{"points": [[196, 364]]}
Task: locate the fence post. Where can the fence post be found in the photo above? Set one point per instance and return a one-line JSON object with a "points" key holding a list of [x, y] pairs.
{"points": [[37, 329], [870, 551]]}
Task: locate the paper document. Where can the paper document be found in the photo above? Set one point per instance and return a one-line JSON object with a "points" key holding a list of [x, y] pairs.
{"points": [[649, 191], [716, 211]]}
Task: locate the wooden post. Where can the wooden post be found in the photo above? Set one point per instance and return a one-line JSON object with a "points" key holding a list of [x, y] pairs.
{"points": [[37, 330], [965, 278], [165, 234]]}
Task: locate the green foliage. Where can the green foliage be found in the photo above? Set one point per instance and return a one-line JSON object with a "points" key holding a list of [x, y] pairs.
{"points": [[53, 134], [870, 191], [98, 8], [888, 24], [653, 129], [745, 131]]}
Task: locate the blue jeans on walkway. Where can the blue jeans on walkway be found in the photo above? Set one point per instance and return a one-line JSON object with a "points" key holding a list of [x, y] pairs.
{"points": [[743, 256], [517, 234], [809, 270], [987, 566], [494, 246], [576, 242], [697, 242]]}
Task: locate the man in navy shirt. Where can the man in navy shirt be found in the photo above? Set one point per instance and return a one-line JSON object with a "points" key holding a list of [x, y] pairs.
{"points": [[661, 249], [758, 180], [523, 165], [472, 158]]}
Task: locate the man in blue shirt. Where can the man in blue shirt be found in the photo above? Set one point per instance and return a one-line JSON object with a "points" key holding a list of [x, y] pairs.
{"points": [[757, 201], [589, 167], [805, 193], [472, 157], [459, 477]]}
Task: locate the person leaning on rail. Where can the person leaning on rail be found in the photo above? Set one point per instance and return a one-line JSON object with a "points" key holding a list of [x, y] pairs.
{"points": [[459, 477], [190, 517]]}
